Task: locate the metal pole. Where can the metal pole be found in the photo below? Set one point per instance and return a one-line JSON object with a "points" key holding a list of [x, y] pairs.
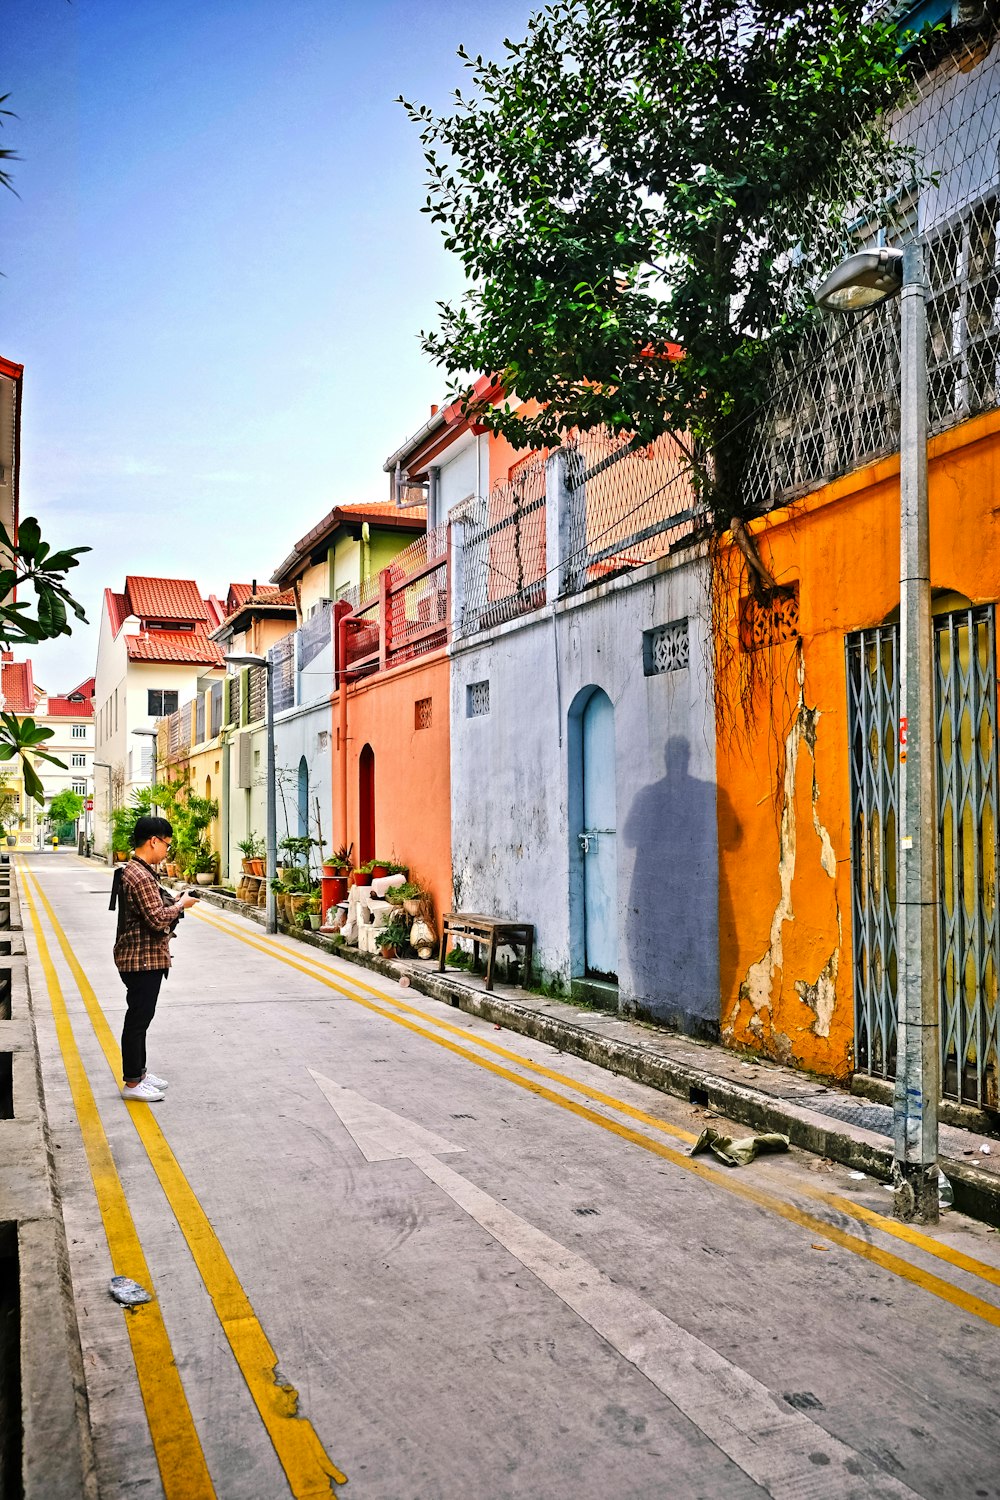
{"points": [[272, 810], [915, 1171]]}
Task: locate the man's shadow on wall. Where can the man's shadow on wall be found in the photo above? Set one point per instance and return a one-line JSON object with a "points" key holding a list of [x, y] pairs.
{"points": [[679, 900]]}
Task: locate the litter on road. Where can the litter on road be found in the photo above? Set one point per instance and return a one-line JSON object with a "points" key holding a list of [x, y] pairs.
{"points": [[738, 1153], [128, 1292]]}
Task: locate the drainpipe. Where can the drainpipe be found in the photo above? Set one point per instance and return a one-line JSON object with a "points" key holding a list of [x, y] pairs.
{"points": [[226, 740], [342, 721]]}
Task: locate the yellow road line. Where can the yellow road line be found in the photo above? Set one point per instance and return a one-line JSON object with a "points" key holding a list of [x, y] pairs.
{"points": [[315, 968], [175, 1440], [936, 1285], [307, 1467]]}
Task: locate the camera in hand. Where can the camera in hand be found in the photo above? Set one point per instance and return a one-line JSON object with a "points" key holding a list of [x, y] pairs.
{"points": [[195, 895]]}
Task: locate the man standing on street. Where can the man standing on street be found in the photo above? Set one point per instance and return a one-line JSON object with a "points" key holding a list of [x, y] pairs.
{"points": [[146, 922]]}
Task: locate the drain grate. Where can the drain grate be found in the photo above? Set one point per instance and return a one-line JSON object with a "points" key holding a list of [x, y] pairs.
{"points": [[874, 1117]]}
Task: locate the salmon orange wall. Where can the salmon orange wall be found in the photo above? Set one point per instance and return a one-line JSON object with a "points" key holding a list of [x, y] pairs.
{"points": [[784, 784], [412, 768]]}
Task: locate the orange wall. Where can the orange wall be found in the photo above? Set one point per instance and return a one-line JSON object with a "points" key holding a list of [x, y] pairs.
{"points": [[412, 769], [784, 784]]}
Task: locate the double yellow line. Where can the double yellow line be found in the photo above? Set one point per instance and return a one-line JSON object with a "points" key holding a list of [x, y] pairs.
{"points": [[440, 1032], [183, 1470]]}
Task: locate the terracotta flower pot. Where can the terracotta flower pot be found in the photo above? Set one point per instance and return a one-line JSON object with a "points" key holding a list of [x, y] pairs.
{"points": [[256, 867], [360, 877], [378, 872]]}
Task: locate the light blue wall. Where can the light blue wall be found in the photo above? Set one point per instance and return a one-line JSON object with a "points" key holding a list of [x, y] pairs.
{"points": [[298, 733], [513, 845]]}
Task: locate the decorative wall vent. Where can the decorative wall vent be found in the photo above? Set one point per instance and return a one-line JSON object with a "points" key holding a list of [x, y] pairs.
{"points": [[666, 649], [422, 713], [769, 621], [477, 699]]}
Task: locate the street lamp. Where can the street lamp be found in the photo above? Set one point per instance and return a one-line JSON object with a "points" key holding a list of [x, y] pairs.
{"points": [[860, 282], [150, 734], [248, 659], [102, 765]]}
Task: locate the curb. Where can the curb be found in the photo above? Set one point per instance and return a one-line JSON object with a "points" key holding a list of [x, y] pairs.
{"points": [[47, 1395], [977, 1193]]}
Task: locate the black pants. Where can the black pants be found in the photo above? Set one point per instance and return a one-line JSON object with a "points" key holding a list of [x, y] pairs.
{"points": [[141, 991]]}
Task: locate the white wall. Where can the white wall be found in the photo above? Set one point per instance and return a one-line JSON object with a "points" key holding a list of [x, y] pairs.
{"points": [[515, 852]]}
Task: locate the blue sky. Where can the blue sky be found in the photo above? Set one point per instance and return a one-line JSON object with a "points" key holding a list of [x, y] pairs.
{"points": [[216, 270]]}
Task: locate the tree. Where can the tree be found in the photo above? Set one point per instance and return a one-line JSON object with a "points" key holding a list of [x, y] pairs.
{"points": [[65, 807], [643, 193], [29, 560]]}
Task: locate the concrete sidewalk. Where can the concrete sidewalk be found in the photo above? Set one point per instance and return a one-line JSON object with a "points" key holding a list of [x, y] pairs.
{"points": [[845, 1127]]}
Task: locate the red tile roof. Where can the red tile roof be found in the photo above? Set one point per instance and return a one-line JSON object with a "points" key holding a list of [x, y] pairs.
{"points": [[165, 599], [216, 611], [62, 708], [183, 646], [18, 687], [239, 593], [118, 610]]}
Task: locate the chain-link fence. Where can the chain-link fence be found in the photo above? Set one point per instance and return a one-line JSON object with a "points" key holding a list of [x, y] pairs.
{"points": [[628, 504], [503, 549], [836, 401], [402, 612], [282, 659]]}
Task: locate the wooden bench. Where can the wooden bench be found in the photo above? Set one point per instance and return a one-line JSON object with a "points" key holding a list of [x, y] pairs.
{"points": [[494, 932]]}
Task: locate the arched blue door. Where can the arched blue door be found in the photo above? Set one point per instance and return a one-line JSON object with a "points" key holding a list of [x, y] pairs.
{"points": [[598, 838], [303, 799]]}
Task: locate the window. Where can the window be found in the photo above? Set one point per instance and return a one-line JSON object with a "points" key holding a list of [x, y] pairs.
{"points": [[79, 731], [80, 787], [160, 701], [168, 625], [422, 713], [79, 760], [665, 649], [477, 700]]}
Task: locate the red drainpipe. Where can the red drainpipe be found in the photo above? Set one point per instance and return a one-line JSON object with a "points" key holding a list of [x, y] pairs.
{"points": [[342, 718]]}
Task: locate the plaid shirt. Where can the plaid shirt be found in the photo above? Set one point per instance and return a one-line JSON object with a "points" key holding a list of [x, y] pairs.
{"points": [[146, 920]]}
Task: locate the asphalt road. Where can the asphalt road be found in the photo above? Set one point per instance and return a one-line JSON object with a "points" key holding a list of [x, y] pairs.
{"points": [[487, 1270]]}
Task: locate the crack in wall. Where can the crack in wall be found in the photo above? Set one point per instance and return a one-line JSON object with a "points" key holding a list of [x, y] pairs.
{"points": [[758, 986]]}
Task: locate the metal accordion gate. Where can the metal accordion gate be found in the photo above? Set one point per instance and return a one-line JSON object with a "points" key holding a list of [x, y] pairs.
{"points": [[965, 715]]}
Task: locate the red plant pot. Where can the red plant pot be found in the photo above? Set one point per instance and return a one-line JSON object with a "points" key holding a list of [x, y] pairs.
{"points": [[360, 877], [378, 872]]}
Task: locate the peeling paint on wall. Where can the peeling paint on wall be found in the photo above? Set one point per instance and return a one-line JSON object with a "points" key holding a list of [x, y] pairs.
{"points": [[763, 981]]}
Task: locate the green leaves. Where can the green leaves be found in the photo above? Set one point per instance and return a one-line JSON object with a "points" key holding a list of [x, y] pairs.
{"points": [[638, 173], [22, 737], [30, 560]]}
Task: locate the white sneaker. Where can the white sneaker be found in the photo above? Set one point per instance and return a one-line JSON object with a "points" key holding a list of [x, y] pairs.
{"points": [[158, 1083], [145, 1092]]}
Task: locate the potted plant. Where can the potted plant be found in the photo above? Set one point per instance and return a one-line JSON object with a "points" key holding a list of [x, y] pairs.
{"points": [[337, 862], [203, 864], [393, 937], [410, 897], [253, 850], [312, 914], [378, 869]]}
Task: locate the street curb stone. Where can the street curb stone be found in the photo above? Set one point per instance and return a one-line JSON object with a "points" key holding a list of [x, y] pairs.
{"points": [[57, 1456]]}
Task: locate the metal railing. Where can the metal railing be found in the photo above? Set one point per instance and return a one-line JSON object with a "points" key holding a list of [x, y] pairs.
{"points": [[503, 547], [282, 659], [403, 612]]}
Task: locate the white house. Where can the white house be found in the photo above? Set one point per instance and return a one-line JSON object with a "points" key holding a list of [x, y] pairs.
{"points": [[153, 653]]}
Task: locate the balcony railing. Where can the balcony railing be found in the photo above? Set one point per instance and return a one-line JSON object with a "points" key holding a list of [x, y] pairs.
{"points": [[403, 613]]}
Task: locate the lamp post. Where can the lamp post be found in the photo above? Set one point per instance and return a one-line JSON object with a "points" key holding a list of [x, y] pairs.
{"points": [[858, 283], [109, 856], [150, 734], [248, 659]]}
